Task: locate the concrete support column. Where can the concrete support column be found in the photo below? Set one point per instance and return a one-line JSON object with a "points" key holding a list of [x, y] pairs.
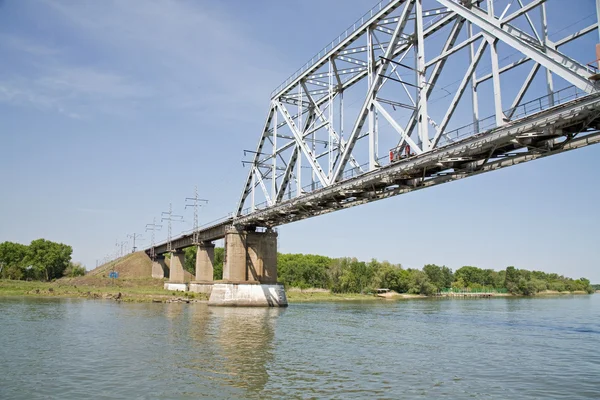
{"points": [[234, 268], [262, 256], [176, 271], [205, 258], [250, 271], [159, 268], [250, 256]]}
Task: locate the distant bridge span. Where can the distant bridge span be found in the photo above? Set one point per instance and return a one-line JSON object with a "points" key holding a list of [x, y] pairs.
{"points": [[317, 155]]}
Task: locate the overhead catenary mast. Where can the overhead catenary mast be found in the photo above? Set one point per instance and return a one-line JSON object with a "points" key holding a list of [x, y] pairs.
{"points": [[195, 203], [153, 227], [169, 216], [134, 236]]}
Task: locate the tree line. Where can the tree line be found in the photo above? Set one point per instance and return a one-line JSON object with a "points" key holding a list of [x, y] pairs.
{"points": [[42, 260], [348, 275]]}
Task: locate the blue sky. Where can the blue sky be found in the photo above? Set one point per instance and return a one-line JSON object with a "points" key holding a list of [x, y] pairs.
{"points": [[110, 110]]}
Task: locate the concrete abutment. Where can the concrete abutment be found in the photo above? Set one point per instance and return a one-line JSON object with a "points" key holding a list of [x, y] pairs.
{"points": [[159, 268]]}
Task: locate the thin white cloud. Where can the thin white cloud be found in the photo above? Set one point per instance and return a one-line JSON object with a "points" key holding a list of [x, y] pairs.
{"points": [[170, 54], [194, 47], [95, 210], [68, 90], [28, 46]]}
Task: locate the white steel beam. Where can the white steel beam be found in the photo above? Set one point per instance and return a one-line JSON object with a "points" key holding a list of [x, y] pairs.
{"points": [[332, 132], [561, 65], [459, 92], [474, 95], [371, 69], [371, 94], [398, 128], [437, 70], [249, 180], [302, 144], [523, 90], [549, 81], [262, 185], [422, 117]]}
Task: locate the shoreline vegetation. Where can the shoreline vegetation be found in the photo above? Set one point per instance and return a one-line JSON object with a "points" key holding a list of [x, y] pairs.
{"points": [[151, 290], [44, 268]]}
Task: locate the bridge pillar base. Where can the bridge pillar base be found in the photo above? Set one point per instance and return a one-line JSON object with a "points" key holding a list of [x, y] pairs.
{"points": [[248, 295], [178, 287], [159, 268], [201, 287]]}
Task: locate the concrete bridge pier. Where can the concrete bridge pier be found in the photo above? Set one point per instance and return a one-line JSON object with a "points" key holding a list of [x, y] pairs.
{"points": [[249, 271], [205, 259], [176, 274], [159, 268]]}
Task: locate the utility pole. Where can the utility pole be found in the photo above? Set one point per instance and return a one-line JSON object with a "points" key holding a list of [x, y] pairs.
{"points": [[134, 236], [123, 245], [171, 218], [195, 203], [153, 227]]}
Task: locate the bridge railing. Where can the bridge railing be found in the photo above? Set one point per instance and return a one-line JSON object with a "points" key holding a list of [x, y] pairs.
{"points": [[526, 109]]}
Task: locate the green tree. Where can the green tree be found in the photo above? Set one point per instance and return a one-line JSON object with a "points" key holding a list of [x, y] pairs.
{"points": [[12, 260], [440, 277], [189, 263], [511, 279], [419, 283], [303, 270], [74, 269], [48, 260], [218, 263]]}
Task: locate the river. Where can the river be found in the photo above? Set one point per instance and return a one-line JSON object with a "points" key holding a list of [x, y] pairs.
{"points": [[480, 348]]}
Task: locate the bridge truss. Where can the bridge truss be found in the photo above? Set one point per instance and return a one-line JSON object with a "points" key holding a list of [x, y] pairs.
{"points": [[396, 102]]}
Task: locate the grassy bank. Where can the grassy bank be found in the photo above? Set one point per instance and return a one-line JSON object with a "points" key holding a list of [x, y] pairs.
{"points": [[133, 290], [151, 290], [301, 296]]}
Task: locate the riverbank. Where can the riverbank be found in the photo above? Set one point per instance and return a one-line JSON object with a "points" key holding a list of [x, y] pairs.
{"points": [[151, 290], [134, 290]]}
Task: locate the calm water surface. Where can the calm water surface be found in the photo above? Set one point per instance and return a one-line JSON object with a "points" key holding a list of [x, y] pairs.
{"points": [[499, 348]]}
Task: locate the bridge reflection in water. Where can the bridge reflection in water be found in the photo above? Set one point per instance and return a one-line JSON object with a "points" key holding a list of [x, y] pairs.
{"points": [[230, 346]]}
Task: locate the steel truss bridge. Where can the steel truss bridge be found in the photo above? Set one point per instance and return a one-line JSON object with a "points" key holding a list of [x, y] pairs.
{"points": [[371, 116]]}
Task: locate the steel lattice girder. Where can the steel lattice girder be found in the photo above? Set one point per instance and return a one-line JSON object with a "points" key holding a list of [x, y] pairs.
{"points": [[579, 121], [304, 111]]}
